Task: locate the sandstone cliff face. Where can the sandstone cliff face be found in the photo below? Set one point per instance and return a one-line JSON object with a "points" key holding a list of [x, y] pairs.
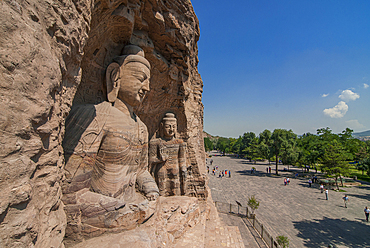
{"points": [[53, 54]]}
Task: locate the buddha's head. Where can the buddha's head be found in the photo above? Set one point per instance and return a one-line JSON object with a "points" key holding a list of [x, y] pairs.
{"points": [[168, 126], [128, 77]]}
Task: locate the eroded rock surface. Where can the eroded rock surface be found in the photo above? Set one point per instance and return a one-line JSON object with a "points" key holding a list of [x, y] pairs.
{"points": [[53, 54], [173, 216], [167, 159]]}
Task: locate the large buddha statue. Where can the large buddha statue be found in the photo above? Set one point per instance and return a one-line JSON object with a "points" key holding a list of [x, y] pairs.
{"points": [[167, 159], [106, 148]]}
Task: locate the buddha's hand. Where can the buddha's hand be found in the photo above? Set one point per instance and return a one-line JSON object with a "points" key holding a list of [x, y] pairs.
{"points": [[184, 172], [152, 196], [163, 154]]}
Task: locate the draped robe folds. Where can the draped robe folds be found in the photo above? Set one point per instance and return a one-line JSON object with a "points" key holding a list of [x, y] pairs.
{"points": [[167, 161], [106, 152]]}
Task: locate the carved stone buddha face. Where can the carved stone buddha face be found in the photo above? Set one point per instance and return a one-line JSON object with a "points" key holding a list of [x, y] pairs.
{"points": [[134, 83], [169, 128], [128, 77]]}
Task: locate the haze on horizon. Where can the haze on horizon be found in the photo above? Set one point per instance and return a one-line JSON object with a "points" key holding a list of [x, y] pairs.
{"points": [[299, 65]]}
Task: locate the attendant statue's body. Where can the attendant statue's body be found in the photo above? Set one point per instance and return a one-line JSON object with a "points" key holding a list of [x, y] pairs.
{"points": [[167, 159], [106, 148]]}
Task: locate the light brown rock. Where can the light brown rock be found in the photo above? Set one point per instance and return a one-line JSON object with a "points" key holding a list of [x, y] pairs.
{"points": [[54, 54], [167, 159], [173, 217], [106, 149]]}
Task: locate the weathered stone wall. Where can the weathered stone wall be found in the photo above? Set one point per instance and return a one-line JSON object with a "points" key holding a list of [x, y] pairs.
{"points": [[168, 32], [53, 54]]}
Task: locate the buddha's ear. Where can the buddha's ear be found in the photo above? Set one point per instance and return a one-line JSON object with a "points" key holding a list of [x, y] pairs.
{"points": [[112, 76]]}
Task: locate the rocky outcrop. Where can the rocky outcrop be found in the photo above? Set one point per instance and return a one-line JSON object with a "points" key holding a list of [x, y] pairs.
{"points": [[53, 54]]}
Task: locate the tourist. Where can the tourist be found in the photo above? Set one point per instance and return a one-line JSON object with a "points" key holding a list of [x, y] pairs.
{"points": [[285, 181], [270, 169], [327, 194], [309, 182], [367, 212], [322, 188], [345, 199], [288, 180], [229, 173], [267, 170]]}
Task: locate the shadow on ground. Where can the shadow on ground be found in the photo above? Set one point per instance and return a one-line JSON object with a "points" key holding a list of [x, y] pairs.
{"points": [[365, 196], [320, 233]]}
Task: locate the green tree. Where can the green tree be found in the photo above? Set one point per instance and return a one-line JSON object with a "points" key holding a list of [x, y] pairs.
{"points": [[364, 165], [351, 144], [362, 153], [235, 145], [253, 150], [302, 158], [265, 145], [253, 203], [283, 241], [325, 137], [309, 149], [246, 140], [282, 143], [289, 152], [223, 144], [334, 161], [208, 144]]}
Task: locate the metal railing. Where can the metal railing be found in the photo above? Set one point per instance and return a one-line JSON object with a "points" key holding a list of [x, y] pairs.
{"points": [[246, 214]]}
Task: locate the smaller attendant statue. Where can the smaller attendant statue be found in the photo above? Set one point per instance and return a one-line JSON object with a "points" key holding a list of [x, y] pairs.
{"points": [[167, 159]]}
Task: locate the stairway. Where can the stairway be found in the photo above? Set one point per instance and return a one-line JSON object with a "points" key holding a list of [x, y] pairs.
{"points": [[211, 232], [218, 234]]}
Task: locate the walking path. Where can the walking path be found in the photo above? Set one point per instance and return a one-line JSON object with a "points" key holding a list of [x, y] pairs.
{"points": [[296, 211], [250, 236]]}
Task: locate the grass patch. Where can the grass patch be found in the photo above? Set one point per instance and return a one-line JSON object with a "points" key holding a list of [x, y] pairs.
{"points": [[355, 172]]}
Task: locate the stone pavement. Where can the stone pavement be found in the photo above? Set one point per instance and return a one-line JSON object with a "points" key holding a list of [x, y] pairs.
{"points": [[296, 211], [251, 238]]}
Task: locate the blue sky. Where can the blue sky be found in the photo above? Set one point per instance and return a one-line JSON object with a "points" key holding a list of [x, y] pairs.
{"points": [[299, 65]]}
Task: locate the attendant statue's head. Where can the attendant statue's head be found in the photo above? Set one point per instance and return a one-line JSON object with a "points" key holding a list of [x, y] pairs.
{"points": [[168, 126], [128, 77]]}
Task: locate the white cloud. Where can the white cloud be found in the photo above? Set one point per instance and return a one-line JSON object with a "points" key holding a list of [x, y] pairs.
{"points": [[348, 95], [366, 86], [324, 95], [337, 111], [354, 124]]}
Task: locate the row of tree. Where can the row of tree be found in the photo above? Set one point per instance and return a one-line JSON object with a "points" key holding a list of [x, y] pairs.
{"points": [[331, 152]]}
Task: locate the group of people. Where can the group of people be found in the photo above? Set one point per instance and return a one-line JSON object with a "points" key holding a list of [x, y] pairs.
{"points": [[345, 200], [286, 181], [222, 173], [268, 170]]}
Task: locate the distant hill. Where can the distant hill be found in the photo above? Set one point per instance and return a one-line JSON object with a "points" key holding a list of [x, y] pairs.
{"points": [[205, 134], [361, 134]]}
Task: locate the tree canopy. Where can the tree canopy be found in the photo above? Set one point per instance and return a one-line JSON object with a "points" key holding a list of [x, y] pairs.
{"points": [[325, 149]]}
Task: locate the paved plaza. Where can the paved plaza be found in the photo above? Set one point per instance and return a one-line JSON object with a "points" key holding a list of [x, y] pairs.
{"points": [[296, 211]]}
